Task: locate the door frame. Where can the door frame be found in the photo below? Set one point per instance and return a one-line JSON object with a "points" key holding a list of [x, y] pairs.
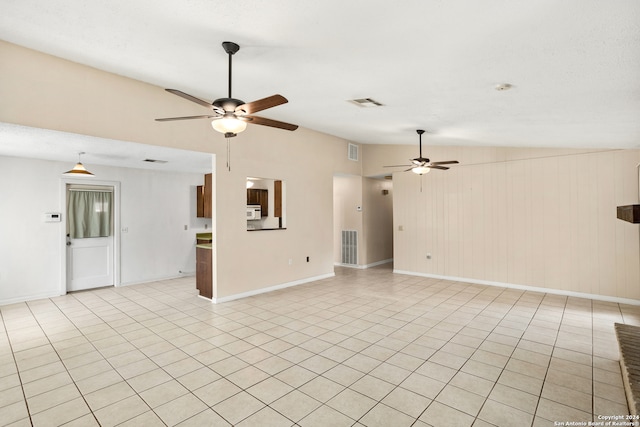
{"points": [[116, 226]]}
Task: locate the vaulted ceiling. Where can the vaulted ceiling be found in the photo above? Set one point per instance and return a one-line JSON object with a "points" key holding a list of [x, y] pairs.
{"points": [[572, 65]]}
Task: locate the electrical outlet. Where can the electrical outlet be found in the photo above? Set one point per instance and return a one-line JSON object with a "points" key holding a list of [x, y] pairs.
{"points": [[290, 261]]}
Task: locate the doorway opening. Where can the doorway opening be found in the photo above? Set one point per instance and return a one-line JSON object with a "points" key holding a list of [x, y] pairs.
{"points": [[91, 242]]}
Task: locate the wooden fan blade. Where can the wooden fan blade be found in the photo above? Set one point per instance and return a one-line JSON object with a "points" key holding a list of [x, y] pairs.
{"points": [[396, 166], [190, 98], [170, 119], [449, 162], [268, 122], [262, 104], [444, 168]]}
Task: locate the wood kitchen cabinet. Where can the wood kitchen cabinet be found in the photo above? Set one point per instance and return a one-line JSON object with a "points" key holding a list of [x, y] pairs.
{"points": [[277, 199], [204, 197], [259, 197], [204, 272]]}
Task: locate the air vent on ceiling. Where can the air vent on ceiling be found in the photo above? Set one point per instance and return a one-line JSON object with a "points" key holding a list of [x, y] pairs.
{"points": [[155, 161], [353, 152], [366, 102]]}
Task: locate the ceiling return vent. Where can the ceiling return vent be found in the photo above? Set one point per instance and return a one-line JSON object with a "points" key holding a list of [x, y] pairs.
{"points": [[353, 152]]}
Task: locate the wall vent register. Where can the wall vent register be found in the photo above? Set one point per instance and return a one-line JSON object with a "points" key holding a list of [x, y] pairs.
{"points": [[349, 247]]}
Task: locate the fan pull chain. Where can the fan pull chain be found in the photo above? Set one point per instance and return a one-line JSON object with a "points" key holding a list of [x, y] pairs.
{"points": [[228, 154]]}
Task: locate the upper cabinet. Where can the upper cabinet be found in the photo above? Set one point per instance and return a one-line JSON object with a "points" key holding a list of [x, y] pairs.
{"points": [[256, 196], [203, 197], [277, 199]]}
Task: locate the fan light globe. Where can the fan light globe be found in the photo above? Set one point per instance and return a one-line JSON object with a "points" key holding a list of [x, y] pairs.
{"points": [[229, 125], [421, 170]]}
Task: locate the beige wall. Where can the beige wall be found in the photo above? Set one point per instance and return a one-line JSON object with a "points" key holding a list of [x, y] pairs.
{"points": [[43, 91], [535, 217]]}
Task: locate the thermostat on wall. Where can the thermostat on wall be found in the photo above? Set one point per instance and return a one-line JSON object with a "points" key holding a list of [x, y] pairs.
{"points": [[52, 217]]}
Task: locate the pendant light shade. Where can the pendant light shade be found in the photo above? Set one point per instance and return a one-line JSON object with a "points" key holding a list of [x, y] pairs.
{"points": [[78, 169]]}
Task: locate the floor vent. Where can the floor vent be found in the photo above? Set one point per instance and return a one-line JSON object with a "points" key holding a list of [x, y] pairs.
{"points": [[353, 152], [629, 344], [350, 247]]}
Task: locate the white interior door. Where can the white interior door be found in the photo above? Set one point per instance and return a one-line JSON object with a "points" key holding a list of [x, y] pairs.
{"points": [[90, 263], [89, 259]]}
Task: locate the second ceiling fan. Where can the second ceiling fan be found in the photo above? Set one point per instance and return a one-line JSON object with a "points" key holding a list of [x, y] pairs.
{"points": [[421, 165], [230, 116]]}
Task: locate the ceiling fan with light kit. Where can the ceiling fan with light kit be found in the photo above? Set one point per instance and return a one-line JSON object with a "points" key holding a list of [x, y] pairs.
{"points": [[231, 116], [422, 165]]}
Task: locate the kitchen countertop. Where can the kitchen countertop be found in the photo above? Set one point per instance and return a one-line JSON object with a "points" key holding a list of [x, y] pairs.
{"points": [[204, 245], [204, 236]]}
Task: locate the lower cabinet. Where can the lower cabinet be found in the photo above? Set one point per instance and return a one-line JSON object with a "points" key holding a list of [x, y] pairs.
{"points": [[204, 272]]}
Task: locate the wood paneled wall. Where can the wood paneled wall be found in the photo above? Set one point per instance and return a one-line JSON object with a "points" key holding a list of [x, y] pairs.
{"points": [[547, 222]]}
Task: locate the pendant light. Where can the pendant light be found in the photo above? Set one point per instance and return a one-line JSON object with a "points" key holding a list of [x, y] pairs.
{"points": [[78, 169]]}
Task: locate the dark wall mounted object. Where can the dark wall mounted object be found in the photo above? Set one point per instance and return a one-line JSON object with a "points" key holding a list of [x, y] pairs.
{"points": [[629, 213]]}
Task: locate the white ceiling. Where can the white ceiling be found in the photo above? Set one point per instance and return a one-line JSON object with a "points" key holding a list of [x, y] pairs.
{"points": [[573, 64], [45, 144]]}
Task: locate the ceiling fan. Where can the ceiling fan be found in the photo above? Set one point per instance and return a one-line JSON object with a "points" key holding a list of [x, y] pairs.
{"points": [[421, 165], [230, 116]]}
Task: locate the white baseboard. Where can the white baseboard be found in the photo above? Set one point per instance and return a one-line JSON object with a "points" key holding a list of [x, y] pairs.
{"points": [[271, 288], [525, 288], [362, 267], [26, 298], [157, 279]]}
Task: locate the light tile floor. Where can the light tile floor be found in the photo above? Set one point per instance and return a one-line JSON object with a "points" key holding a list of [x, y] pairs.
{"points": [[366, 348]]}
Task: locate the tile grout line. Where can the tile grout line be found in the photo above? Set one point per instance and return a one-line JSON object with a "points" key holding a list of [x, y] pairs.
{"points": [[13, 355], [389, 318]]}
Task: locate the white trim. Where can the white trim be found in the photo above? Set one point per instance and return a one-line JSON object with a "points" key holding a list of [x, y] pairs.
{"points": [[357, 267], [363, 267], [33, 297], [156, 279], [526, 288], [375, 264], [271, 288]]}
